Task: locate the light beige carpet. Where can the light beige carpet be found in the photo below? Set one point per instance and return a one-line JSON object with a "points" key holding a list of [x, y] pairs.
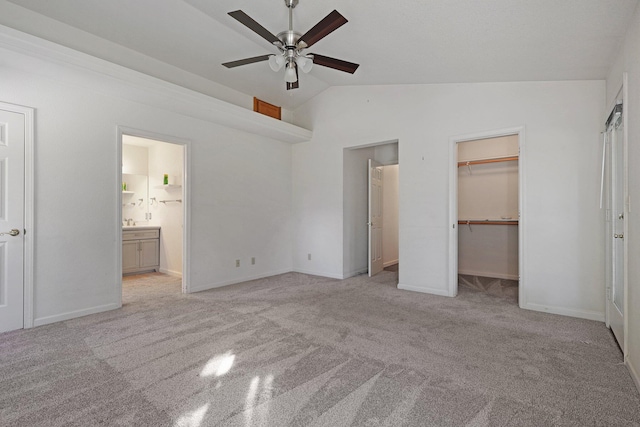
{"points": [[503, 288], [308, 351]]}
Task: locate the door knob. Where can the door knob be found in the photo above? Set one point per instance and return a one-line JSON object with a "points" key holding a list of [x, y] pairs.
{"points": [[618, 236], [13, 232]]}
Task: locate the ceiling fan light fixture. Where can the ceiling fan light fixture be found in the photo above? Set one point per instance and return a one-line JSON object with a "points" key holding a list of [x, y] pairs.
{"points": [[290, 75], [304, 63], [276, 62]]}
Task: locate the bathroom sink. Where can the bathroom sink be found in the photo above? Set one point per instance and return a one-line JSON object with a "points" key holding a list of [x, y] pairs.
{"points": [[140, 227]]}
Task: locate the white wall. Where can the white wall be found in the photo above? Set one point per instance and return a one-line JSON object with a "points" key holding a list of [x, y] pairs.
{"points": [[167, 158], [488, 250], [390, 215], [489, 191], [563, 242], [628, 61], [240, 188]]}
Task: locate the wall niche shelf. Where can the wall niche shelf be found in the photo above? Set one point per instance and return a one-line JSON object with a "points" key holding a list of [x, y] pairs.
{"points": [[169, 186], [128, 192]]}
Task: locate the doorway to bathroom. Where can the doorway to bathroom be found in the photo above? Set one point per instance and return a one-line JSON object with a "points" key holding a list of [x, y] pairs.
{"points": [[153, 212]]}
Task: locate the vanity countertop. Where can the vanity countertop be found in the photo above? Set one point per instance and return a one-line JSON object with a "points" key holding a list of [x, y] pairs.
{"points": [[140, 227]]}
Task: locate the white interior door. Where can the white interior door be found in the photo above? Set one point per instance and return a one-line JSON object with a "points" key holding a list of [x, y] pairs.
{"points": [[12, 155], [375, 217], [617, 215]]}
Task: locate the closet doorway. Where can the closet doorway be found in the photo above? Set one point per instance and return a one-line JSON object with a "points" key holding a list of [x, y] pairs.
{"points": [[486, 215], [154, 209]]}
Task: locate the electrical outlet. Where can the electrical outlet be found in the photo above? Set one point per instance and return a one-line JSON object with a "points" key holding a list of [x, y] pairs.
{"points": [[237, 263], [253, 260], [309, 257]]}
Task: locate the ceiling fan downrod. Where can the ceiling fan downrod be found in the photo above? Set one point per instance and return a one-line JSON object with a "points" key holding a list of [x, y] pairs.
{"points": [[291, 4]]}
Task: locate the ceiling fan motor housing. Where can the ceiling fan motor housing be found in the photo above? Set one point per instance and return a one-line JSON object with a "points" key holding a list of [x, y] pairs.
{"points": [[289, 39]]}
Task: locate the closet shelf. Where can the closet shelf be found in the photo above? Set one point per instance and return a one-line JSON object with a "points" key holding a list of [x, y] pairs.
{"points": [[488, 222], [490, 160]]}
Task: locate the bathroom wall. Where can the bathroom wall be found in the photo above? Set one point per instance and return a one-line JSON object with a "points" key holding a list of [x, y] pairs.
{"points": [[135, 159], [167, 158], [135, 171]]}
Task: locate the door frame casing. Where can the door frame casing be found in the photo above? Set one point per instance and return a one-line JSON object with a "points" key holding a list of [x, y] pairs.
{"points": [[29, 203], [186, 202], [625, 120], [452, 288]]}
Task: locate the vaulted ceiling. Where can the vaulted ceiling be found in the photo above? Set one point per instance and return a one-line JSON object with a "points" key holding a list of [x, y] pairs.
{"points": [[395, 42]]}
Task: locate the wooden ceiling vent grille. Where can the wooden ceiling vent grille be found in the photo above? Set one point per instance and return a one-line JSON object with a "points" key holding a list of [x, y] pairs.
{"points": [[267, 109]]}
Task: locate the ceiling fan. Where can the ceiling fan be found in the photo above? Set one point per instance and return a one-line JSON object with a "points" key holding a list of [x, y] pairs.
{"points": [[291, 44]]}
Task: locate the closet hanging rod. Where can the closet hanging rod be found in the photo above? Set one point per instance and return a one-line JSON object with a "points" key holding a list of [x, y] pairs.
{"points": [[490, 160], [170, 201], [489, 222]]}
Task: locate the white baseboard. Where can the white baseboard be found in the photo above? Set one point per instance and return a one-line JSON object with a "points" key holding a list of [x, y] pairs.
{"points": [[73, 314], [634, 373], [193, 289], [319, 273], [491, 275], [171, 272], [388, 263], [581, 314], [433, 291]]}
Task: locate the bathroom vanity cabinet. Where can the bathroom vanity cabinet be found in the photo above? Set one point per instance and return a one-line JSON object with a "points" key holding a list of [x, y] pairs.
{"points": [[140, 249]]}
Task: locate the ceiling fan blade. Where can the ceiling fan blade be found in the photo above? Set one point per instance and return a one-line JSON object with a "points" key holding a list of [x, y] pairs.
{"points": [[250, 23], [246, 61], [336, 64], [296, 84], [330, 23]]}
